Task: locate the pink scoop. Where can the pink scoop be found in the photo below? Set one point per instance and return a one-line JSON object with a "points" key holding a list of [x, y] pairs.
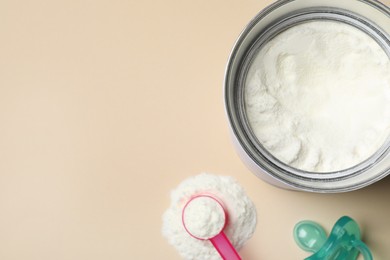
{"points": [[219, 241]]}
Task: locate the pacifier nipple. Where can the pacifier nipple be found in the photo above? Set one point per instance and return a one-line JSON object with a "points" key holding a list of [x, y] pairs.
{"points": [[309, 236]]}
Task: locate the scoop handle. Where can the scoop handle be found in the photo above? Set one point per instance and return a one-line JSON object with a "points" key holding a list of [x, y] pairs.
{"points": [[224, 247]]}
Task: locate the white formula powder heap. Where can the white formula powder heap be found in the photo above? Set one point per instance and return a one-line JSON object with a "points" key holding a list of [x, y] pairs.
{"points": [[204, 217], [317, 96], [241, 220]]}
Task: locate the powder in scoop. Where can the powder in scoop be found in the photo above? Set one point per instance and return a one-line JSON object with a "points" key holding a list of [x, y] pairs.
{"points": [[204, 217], [317, 96], [240, 209]]}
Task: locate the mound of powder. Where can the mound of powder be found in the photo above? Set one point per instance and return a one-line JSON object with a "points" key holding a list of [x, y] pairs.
{"points": [[241, 221], [317, 96]]}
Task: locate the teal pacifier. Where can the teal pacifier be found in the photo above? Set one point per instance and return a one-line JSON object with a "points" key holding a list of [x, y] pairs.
{"points": [[343, 243]]}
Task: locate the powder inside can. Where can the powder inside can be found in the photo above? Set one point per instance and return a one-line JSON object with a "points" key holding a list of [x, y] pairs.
{"points": [[317, 96]]}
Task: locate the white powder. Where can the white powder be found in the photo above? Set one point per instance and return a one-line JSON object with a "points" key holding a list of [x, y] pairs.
{"points": [[204, 217], [241, 221], [318, 96]]}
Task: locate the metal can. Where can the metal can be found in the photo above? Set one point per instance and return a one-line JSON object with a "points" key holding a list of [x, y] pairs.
{"points": [[371, 17]]}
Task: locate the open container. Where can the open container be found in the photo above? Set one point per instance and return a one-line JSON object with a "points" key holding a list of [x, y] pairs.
{"points": [[369, 16]]}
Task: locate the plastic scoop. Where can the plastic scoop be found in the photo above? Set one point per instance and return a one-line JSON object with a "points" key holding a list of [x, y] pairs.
{"points": [[343, 243], [204, 217]]}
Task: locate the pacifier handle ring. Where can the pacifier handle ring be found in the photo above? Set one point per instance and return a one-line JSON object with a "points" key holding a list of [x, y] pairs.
{"points": [[363, 249]]}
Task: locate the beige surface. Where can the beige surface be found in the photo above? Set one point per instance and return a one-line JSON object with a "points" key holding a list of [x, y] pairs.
{"points": [[105, 106]]}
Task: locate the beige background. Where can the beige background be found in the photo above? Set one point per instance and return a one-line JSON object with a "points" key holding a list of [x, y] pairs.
{"points": [[105, 106]]}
